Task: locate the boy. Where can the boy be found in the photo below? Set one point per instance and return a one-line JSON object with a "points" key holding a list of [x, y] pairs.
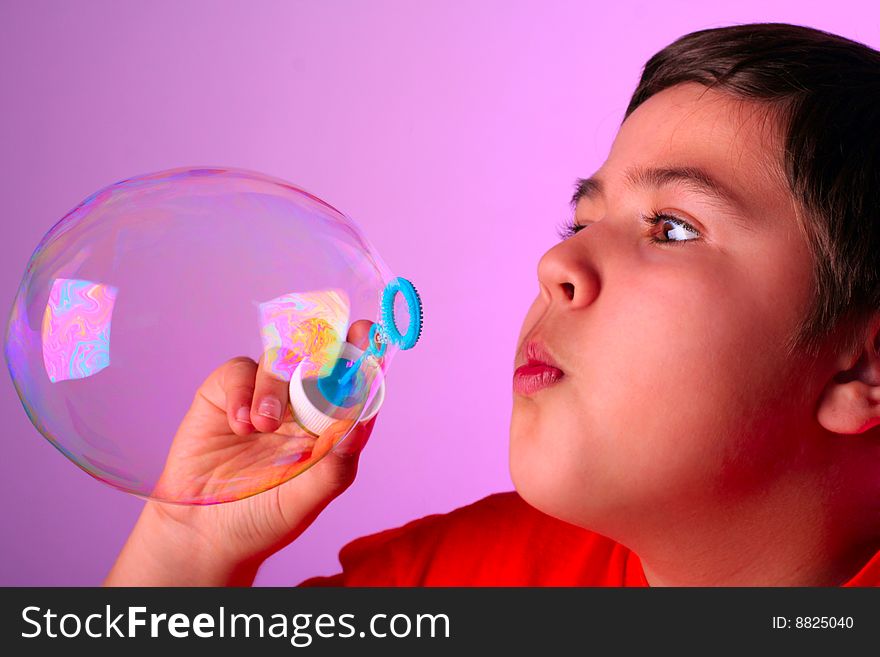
{"points": [[698, 381]]}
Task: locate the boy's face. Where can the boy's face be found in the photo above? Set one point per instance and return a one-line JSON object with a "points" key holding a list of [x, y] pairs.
{"points": [[677, 396]]}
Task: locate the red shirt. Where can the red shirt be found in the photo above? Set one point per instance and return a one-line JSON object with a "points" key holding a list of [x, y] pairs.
{"points": [[499, 540]]}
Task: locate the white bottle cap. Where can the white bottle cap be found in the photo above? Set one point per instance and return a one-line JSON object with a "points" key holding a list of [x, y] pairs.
{"points": [[314, 412]]}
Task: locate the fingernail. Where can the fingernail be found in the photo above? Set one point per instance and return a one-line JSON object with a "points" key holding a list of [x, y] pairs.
{"points": [[270, 407], [243, 414]]}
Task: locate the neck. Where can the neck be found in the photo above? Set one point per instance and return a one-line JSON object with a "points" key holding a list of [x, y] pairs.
{"points": [[813, 529]]}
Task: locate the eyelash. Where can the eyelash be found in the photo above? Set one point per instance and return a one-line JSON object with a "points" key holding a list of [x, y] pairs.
{"points": [[570, 228]]}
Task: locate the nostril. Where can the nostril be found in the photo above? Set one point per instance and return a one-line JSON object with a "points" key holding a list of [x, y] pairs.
{"points": [[569, 290]]}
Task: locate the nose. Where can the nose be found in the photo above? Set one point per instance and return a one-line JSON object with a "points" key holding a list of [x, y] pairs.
{"points": [[566, 275]]}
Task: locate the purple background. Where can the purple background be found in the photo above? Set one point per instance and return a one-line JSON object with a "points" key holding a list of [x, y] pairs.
{"points": [[450, 131]]}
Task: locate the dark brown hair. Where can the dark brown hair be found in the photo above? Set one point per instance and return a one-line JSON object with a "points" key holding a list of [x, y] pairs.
{"points": [[825, 93]]}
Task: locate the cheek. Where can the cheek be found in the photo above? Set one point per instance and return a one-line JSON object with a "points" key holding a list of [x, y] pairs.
{"points": [[670, 376], [707, 379], [620, 422]]}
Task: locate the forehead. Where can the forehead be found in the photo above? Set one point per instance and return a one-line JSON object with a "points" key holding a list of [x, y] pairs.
{"points": [[737, 142]]}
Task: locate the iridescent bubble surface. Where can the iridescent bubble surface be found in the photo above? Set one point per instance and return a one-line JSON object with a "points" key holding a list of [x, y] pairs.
{"points": [[139, 293]]}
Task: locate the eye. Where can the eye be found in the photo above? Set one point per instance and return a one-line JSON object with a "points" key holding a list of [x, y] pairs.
{"points": [[569, 228], [672, 229]]}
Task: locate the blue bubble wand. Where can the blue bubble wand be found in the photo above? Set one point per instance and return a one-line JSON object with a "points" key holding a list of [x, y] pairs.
{"points": [[336, 386]]}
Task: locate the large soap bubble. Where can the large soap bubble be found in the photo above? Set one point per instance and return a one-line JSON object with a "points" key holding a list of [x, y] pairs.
{"points": [[139, 293]]}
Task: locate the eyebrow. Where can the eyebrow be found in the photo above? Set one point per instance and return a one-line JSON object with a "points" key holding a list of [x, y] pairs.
{"points": [[694, 178]]}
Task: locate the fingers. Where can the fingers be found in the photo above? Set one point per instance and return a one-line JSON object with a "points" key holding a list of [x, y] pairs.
{"points": [[337, 466], [354, 443], [270, 399], [359, 333], [237, 381], [257, 399]]}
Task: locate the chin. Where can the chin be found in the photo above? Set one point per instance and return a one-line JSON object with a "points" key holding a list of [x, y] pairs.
{"points": [[548, 486], [537, 486], [546, 499]]}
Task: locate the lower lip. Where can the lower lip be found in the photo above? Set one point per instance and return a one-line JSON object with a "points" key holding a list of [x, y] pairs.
{"points": [[532, 377]]}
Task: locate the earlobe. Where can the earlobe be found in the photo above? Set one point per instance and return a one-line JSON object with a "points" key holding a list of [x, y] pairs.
{"points": [[850, 402]]}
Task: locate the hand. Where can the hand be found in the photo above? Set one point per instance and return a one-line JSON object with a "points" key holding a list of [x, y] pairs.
{"points": [[219, 544]]}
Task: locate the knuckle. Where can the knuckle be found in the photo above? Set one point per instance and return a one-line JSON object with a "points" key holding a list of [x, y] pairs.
{"points": [[239, 374], [271, 383], [241, 361], [342, 477]]}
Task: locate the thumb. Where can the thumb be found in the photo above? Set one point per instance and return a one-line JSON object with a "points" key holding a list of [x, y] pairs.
{"points": [[337, 469], [354, 443]]}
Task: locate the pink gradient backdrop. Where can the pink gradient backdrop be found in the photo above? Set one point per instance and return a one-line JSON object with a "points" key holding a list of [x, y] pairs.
{"points": [[451, 131]]}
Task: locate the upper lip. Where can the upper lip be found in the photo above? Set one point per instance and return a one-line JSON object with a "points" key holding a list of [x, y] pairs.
{"points": [[534, 351]]}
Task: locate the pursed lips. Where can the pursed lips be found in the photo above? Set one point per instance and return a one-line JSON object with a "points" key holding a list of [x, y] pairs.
{"points": [[538, 371]]}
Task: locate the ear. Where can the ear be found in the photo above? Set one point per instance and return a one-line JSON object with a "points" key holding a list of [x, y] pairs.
{"points": [[850, 402]]}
